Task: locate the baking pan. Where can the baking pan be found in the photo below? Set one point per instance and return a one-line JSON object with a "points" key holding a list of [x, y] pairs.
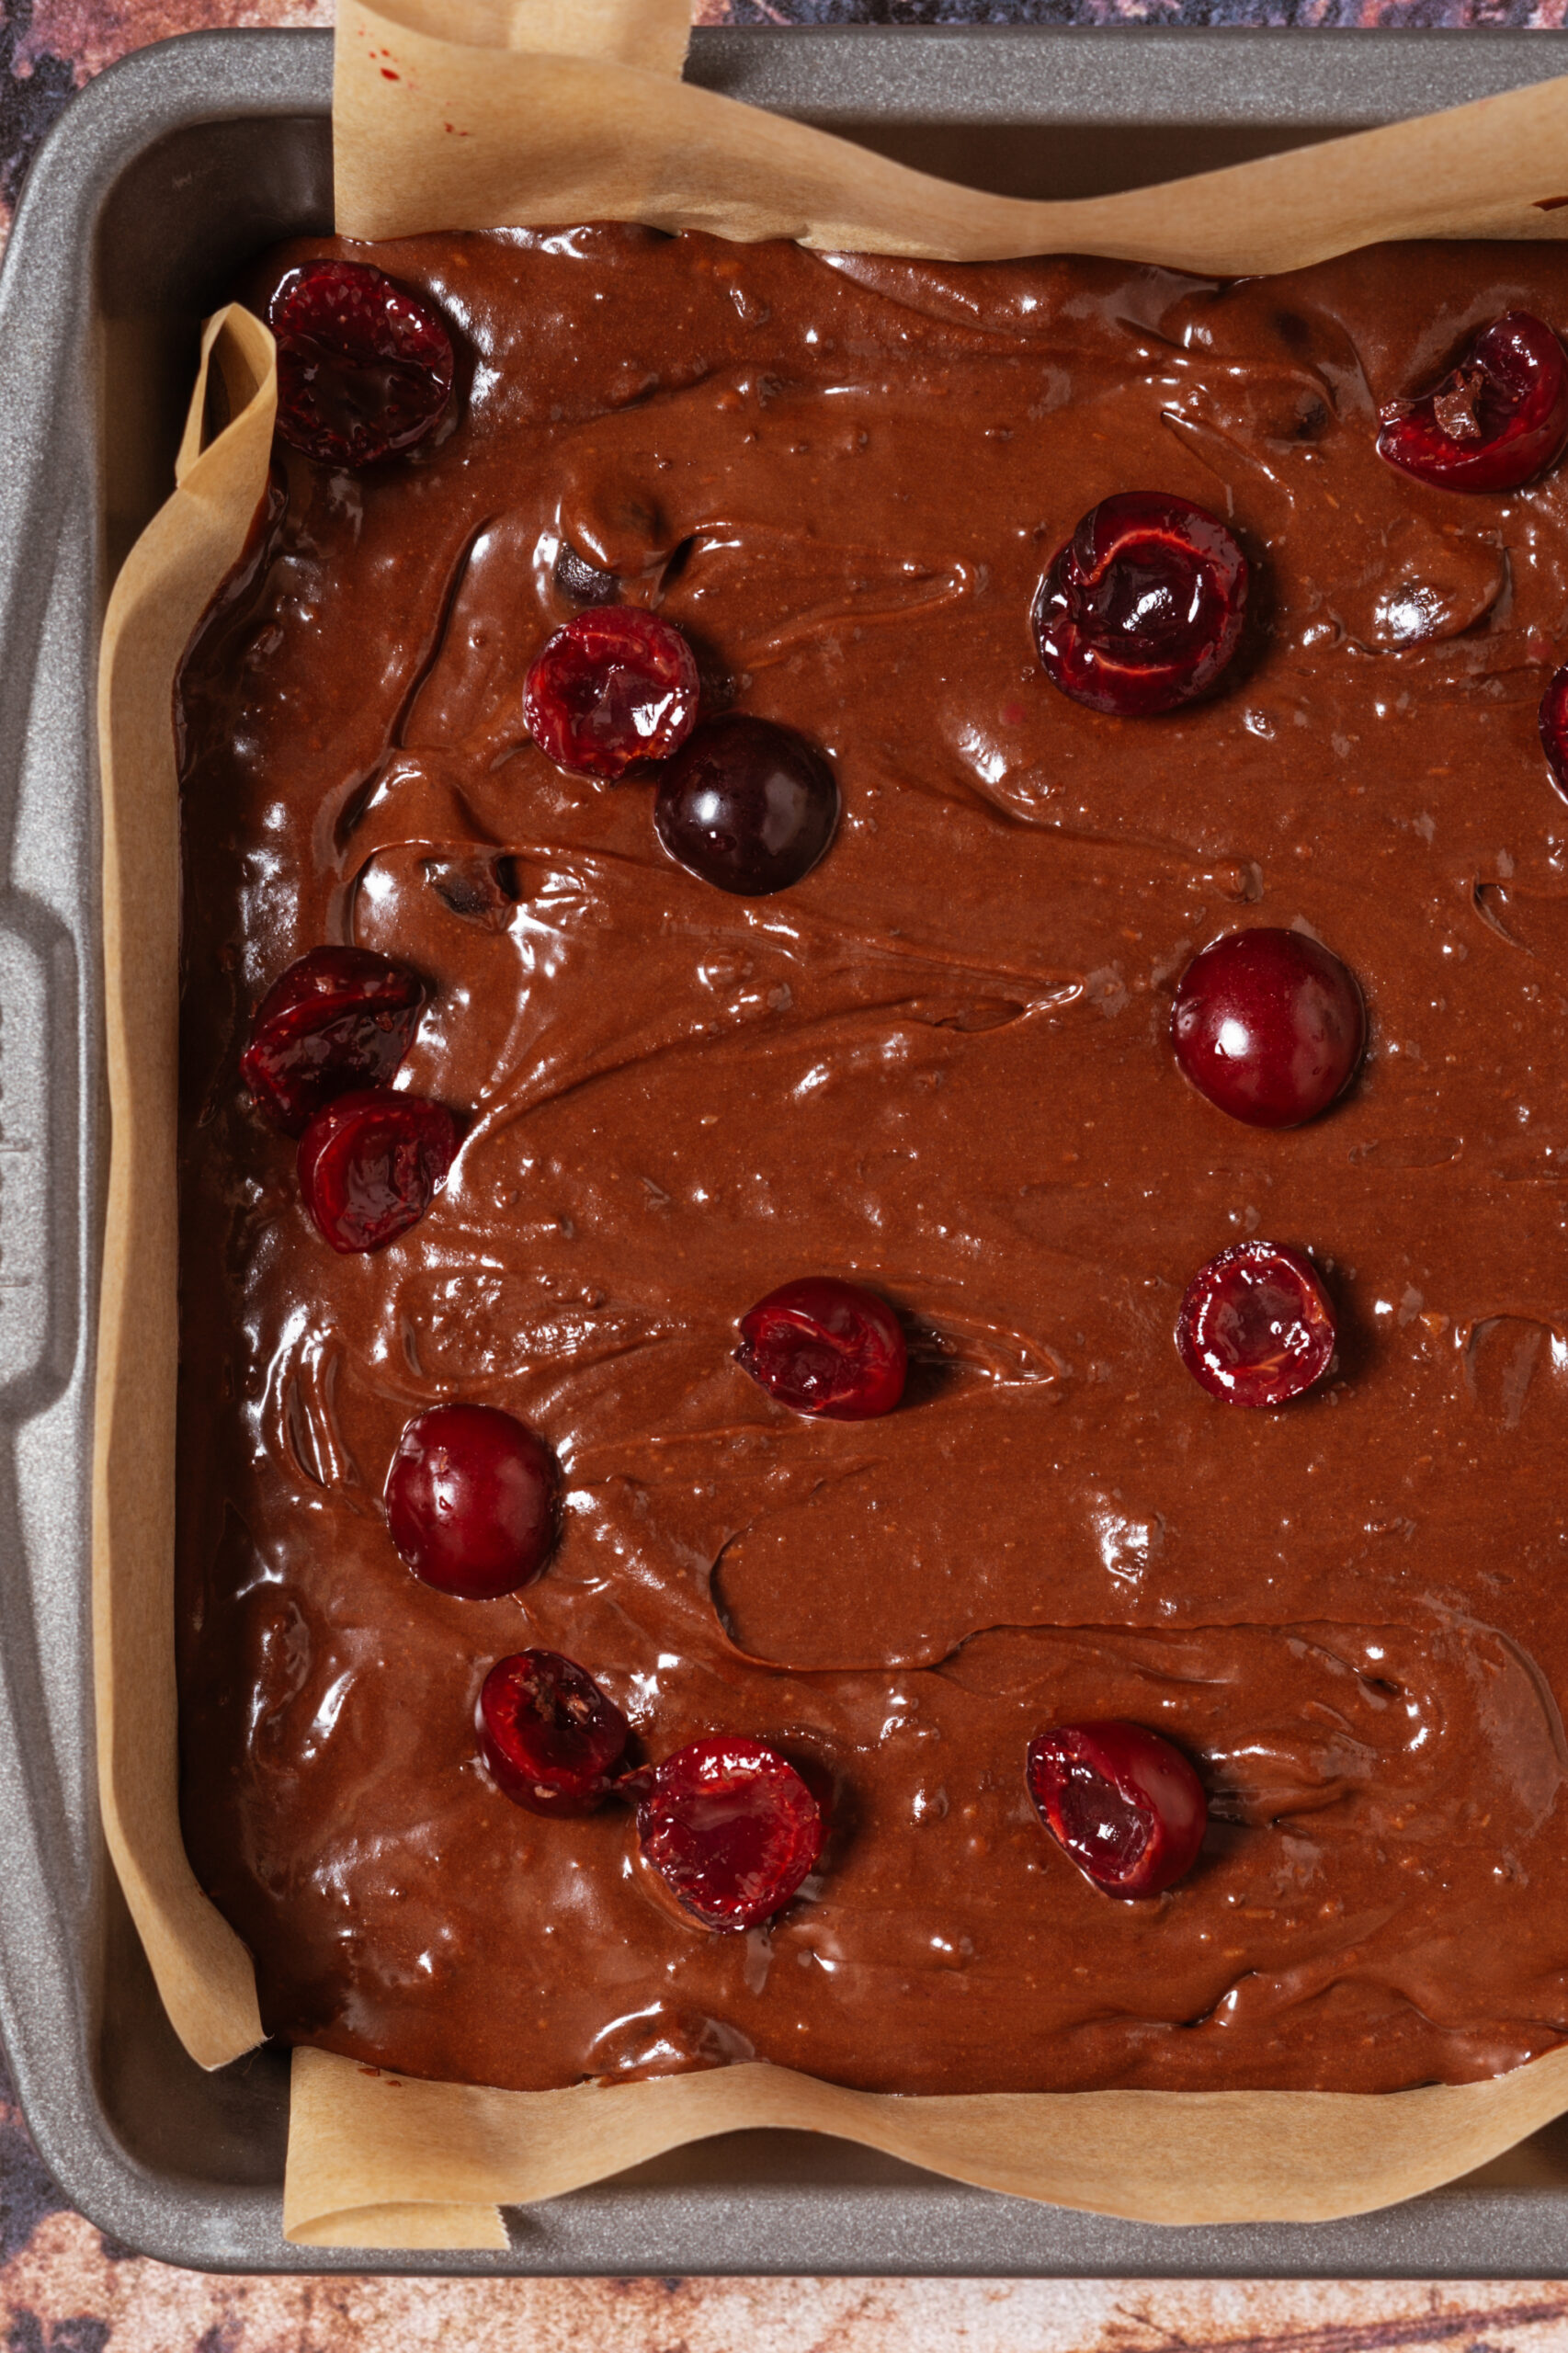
{"points": [[166, 173]]}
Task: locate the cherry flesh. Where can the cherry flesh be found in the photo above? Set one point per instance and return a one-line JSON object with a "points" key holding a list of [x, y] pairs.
{"points": [[747, 806], [1495, 422], [731, 1827], [340, 1017], [613, 686], [1269, 1026], [371, 1163], [1124, 1804], [1256, 1328], [1142, 608], [365, 369], [1554, 729], [550, 1738], [471, 1500], [825, 1347]]}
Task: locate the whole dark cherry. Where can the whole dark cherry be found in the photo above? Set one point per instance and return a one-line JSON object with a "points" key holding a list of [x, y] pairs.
{"points": [[471, 1500], [1495, 422], [1123, 1802], [1554, 729], [1269, 1026], [747, 806], [340, 1017], [365, 369], [1256, 1328], [371, 1163], [551, 1738], [584, 583], [731, 1827], [825, 1347], [613, 686], [1142, 608]]}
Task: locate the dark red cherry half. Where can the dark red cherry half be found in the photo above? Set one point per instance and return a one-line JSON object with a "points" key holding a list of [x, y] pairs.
{"points": [[370, 1162], [549, 1736], [1256, 1328], [825, 1347], [365, 369], [612, 686], [340, 1017], [731, 1827], [1495, 422], [1124, 1804], [1554, 729], [471, 1500], [1142, 608], [747, 806], [1269, 1026]]}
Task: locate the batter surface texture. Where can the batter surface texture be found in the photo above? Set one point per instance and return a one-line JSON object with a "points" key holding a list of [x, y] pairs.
{"points": [[940, 1066]]}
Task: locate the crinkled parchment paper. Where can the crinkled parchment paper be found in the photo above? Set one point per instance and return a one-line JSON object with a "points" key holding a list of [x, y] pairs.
{"points": [[484, 113]]}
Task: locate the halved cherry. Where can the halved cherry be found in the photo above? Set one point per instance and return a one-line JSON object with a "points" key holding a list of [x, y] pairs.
{"points": [[365, 369], [1142, 608], [371, 1163], [1123, 1802], [1256, 1328], [1495, 422], [1269, 1026], [339, 1017], [731, 1827], [471, 1500], [550, 1738], [825, 1347], [614, 685]]}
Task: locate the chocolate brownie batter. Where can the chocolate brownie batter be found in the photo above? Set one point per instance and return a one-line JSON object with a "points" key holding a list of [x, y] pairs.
{"points": [[940, 1065]]}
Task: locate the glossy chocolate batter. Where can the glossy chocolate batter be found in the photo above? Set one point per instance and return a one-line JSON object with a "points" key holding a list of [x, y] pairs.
{"points": [[940, 1066]]}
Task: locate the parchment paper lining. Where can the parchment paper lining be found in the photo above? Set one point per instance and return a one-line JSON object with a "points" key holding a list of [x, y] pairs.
{"points": [[494, 113]]}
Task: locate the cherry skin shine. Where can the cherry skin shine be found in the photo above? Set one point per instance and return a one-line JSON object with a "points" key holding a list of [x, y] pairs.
{"points": [[1269, 1026], [1121, 1801], [471, 1500]]}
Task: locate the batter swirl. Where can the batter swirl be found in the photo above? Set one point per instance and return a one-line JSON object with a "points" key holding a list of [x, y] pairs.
{"points": [[938, 1066]]}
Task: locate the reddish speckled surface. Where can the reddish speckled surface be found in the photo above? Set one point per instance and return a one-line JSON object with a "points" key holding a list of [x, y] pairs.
{"points": [[64, 2288]]}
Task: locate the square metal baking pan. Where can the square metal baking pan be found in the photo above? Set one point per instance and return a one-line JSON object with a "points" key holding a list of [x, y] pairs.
{"points": [[164, 176]]}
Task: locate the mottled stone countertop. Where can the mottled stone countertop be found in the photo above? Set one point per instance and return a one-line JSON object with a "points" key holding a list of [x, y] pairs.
{"points": [[65, 2289]]}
